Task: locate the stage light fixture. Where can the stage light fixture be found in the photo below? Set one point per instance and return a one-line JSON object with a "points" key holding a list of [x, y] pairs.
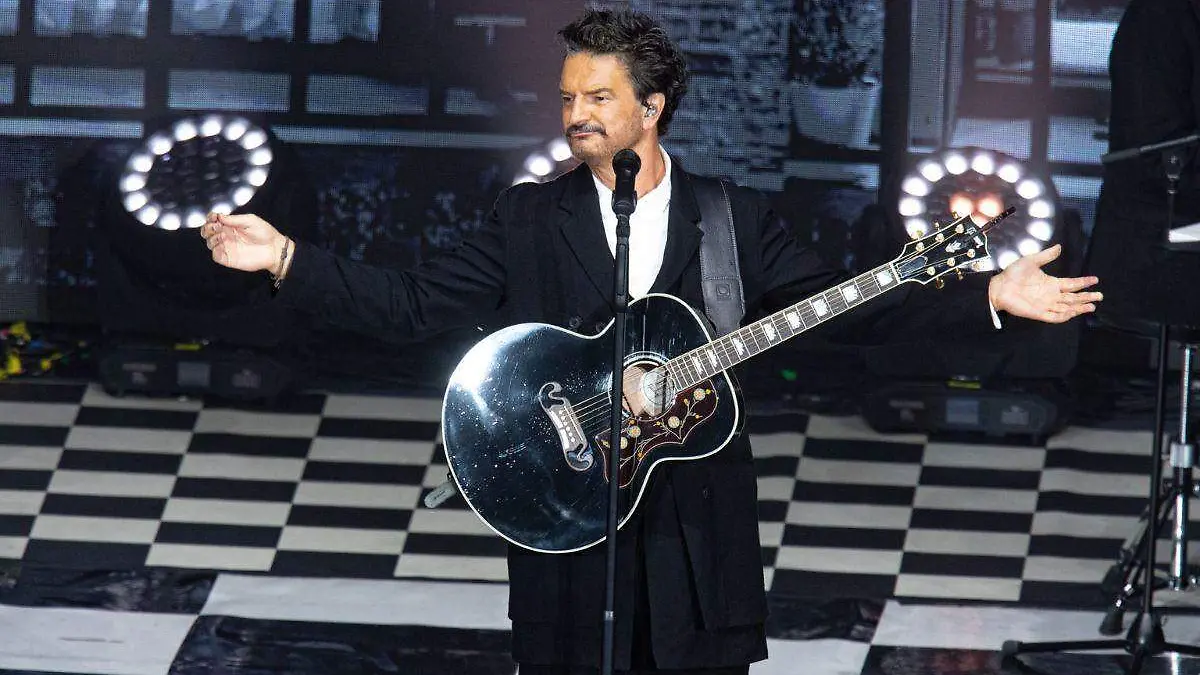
{"points": [[546, 162], [981, 183], [158, 277], [193, 166]]}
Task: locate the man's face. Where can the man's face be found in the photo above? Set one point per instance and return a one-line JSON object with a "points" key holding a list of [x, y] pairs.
{"points": [[601, 111]]}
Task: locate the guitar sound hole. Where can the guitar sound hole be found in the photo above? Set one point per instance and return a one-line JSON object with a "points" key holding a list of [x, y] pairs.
{"points": [[643, 390]]}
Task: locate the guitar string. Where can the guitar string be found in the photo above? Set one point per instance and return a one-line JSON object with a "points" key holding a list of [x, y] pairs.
{"points": [[597, 409], [587, 413], [600, 404]]}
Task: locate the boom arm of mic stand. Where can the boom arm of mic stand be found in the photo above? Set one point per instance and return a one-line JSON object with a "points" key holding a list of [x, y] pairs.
{"points": [[1130, 153]]}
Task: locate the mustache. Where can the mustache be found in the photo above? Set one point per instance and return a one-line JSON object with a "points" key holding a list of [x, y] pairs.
{"points": [[584, 129]]}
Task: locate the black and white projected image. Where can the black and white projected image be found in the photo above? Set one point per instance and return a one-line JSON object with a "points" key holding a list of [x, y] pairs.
{"points": [[785, 96], [334, 20], [248, 18], [95, 17], [414, 116], [8, 16]]}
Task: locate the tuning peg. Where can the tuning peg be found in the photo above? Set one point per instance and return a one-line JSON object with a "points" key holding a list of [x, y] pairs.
{"points": [[959, 272], [939, 283]]}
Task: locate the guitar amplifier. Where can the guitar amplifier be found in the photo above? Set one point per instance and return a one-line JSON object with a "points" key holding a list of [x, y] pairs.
{"points": [[965, 407], [192, 369]]}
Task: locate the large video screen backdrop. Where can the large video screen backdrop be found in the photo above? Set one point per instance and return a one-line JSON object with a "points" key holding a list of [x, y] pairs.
{"points": [[407, 117], [410, 117], [978, 67]]}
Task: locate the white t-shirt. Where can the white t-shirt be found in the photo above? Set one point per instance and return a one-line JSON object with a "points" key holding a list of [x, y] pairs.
{"points": [[647, 230]]}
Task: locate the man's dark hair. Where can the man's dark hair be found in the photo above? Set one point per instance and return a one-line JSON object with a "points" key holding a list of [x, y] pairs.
{"points": [[655, 63]]}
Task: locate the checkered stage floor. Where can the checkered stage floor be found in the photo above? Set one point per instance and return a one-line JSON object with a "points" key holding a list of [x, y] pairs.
{"points": [[330, 486]]}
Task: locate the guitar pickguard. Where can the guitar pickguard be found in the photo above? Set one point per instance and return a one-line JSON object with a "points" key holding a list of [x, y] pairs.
{"points": [[642, 436]]}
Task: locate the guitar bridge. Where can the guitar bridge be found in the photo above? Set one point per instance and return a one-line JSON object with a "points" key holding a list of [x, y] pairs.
{"points": [[566, 424]]}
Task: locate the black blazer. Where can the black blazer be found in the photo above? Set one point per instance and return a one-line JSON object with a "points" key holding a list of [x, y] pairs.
{"points": [[543, 257]]}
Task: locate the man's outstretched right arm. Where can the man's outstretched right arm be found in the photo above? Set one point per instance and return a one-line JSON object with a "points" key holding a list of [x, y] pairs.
{"points": [[448, 291]]}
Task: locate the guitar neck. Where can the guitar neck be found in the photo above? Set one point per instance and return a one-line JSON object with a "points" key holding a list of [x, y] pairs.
{"points": [[729, 350]]}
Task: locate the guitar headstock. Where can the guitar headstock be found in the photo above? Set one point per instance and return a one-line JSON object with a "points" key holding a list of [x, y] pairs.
{"points": [[959, 244]]}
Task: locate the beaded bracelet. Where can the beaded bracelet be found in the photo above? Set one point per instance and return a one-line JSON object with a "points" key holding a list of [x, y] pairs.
{"points": [[277, 277]]}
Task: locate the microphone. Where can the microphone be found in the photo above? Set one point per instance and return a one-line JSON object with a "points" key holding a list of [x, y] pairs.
{"points": [[626, 164]]}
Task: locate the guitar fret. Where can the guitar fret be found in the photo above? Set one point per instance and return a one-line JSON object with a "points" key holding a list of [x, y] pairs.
{"points": [[837, 304], [809, 315], [850, 294], [769, 329], [704, 362], [821, 307], [739, 346]]}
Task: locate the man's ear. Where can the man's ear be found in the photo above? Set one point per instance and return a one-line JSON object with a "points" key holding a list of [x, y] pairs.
{"points": [[652, 108]]}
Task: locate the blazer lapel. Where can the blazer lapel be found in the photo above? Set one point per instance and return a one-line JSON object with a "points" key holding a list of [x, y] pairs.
{"points": [[683, 231], [582, 226]]}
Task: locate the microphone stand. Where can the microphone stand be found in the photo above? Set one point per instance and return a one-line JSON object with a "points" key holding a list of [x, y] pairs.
{"points": [[623, 205]]}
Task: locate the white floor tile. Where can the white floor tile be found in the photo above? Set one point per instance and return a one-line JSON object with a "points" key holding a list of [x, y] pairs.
{"points": [[1049, 568], [254, 423], [1104, 440], [198, 556], [38, 414], [950, 587], [976, 499], [357, 494], [225, 512], [965, 542], [384, 407], [422, 566], [242, 467], [981, 627], [90, 641], [812, 657], [123, 439], [441, 521], [1102, 484], [858, 473], [962, 455], [111, 484], [357, 450], [21, 502], [29, 458], [83, 528], [381, 602], [842, 560], [849, 515], [342, 540]]}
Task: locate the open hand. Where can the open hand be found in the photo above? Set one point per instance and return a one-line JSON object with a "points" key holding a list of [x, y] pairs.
{"points": [[243, 242], [1024, 290]]}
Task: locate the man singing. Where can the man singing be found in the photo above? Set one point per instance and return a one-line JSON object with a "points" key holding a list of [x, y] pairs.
{"points": [[690, 594]]}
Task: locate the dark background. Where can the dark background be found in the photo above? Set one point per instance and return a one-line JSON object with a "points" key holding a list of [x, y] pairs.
{"points": [[408, 118]]}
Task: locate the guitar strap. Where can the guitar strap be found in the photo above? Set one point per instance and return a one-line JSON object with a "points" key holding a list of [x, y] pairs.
{"points": [[720, 277]]}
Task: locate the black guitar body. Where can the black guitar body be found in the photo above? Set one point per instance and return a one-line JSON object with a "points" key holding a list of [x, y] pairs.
{"points": [[526, 416]]}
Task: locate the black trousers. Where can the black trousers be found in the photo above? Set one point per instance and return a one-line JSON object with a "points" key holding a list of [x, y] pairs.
{"points": [[642, 654]]}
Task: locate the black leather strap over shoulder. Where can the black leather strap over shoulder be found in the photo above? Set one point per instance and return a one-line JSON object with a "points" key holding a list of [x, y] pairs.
{"points": [[724, 301]]}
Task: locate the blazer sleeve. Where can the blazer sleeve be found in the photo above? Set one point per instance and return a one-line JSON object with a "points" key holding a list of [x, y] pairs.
{"points": [[790, 273], [450, 290]]}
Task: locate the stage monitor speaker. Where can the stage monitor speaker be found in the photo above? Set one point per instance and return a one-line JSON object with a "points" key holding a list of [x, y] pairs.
{"points": [[947, 407], [192, 370]]}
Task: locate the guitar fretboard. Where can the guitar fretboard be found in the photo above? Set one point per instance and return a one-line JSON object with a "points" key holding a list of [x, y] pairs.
{"points": [[704, 362]]}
